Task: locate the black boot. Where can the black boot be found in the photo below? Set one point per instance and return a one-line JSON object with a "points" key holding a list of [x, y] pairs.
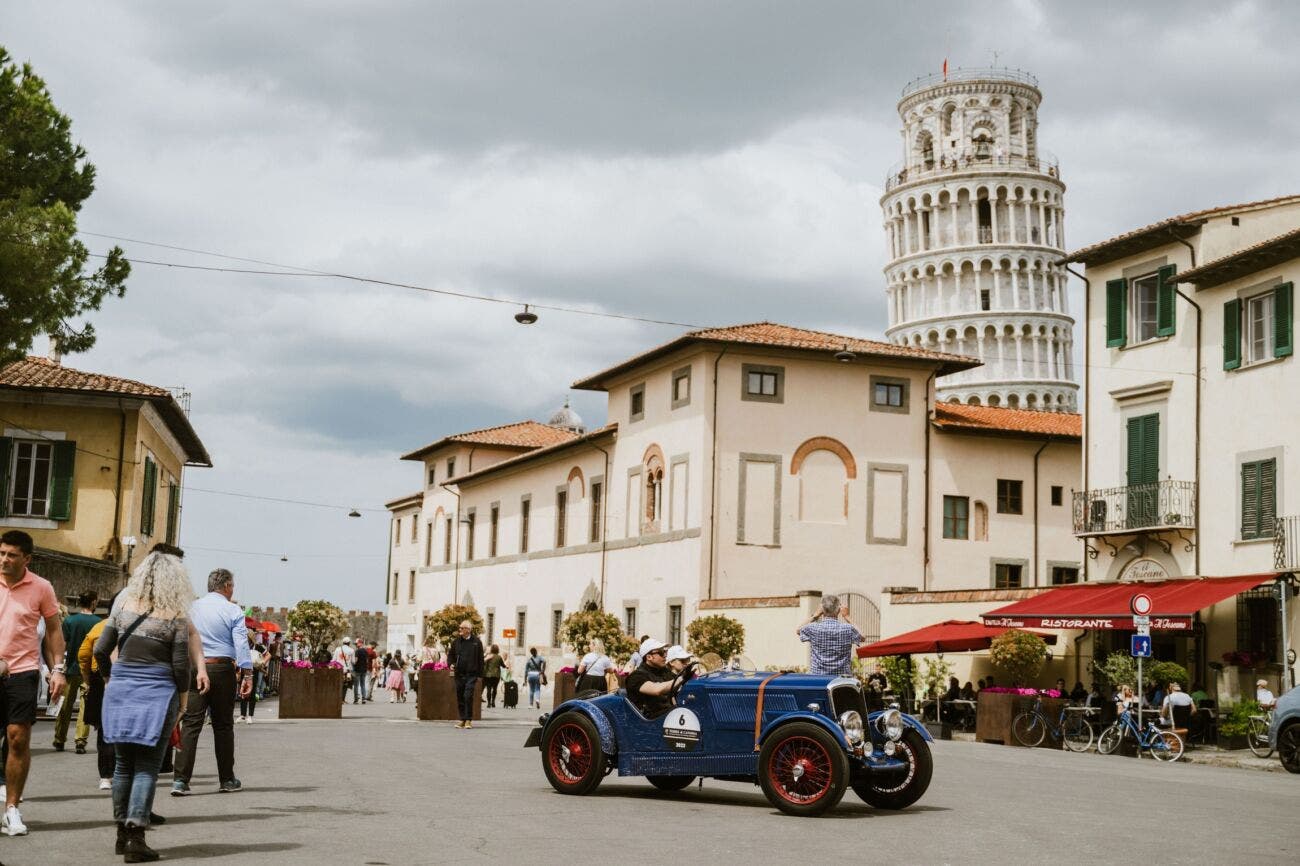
{"points": [[120, 847], [136, 849]]}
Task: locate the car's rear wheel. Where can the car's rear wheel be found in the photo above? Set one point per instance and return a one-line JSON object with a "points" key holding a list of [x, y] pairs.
{"points": [[670, 783], [572, 755], [1288, 747], [803, 769], [899, 794]]}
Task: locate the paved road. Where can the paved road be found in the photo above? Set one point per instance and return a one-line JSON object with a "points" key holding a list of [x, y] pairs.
{"points": [[380, 788]]}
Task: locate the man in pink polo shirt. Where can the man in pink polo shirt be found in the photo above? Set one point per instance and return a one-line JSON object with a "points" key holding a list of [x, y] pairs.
{"points": [[25, 599]]}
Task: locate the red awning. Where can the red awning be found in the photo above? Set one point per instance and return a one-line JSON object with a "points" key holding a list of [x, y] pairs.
{"points": [[1106, 605], [952, 636]]}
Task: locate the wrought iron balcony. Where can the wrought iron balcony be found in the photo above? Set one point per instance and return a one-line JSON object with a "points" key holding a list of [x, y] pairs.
{"points": [[1162, 505], [1286, 543]]}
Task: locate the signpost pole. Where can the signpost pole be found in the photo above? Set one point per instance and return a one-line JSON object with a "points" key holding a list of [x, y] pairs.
{"points": [[1283, 588]]}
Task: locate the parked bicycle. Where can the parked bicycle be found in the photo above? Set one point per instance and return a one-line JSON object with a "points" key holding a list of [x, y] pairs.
{"points": [[1030, 727], [1257, 734], [1163, 745]]}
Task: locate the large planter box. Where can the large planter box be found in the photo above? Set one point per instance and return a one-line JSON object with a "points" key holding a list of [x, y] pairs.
{"points": [[1232, 741], [996, 710], [311, 693], [436, 697], [565, 686]]}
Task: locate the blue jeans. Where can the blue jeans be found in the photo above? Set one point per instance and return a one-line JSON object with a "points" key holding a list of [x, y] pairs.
{"points": [[465, 697], [136, 775], [534, 687], [359, 692]]}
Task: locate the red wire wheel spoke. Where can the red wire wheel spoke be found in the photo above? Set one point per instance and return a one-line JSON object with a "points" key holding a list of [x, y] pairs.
{"points": [[573, 738], [801, 770]]}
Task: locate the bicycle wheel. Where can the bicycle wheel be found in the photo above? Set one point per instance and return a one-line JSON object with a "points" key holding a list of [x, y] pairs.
{"points": [[1078, 733], [1166, 746], [1108, 742], [1028, 729], [1257, 737]]}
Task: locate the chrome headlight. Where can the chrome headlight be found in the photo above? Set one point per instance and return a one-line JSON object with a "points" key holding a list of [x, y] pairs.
{"points": [[851, 722], [890, 723]]}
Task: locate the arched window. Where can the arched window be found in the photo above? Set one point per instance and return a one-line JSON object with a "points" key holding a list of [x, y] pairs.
{"points": [[925, 149], [981, 522], [949, 111]]}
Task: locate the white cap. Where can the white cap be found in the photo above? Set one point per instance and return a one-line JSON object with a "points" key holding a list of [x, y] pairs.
{"points": [[1261, 682], [649, 645], [347, 640], [675, 652]]}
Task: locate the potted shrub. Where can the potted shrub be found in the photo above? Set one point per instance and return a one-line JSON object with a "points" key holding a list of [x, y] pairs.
{"points": [[935, 680], [1235, 725], [313, 689], [578, 630], [436, 698], [1019, 657]]}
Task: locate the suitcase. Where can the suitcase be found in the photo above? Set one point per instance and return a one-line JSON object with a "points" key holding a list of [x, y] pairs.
{"points": [[511, 699]]}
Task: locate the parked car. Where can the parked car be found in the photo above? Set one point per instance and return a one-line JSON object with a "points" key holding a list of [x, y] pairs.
{"points": [[804, 739], [1284, 733]]}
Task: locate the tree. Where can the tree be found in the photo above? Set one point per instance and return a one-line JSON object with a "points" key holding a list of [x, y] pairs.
{"points": [[441, 626], [715, 634], [1019, 655], [44, 179], [581, 626], [319, 624]]}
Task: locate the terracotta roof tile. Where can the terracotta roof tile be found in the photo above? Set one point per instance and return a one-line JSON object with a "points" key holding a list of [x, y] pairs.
{"points": [[1255, 257], [522, 435], [404, 501], [1106, 250], [777, 335], [995, 419], [538, 453]]}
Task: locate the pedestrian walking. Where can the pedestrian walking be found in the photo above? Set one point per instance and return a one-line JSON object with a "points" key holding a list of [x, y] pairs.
{"points": [[832, 638], [492, 664], [145, 689], [360, 672], [396, 679], [94, 702], [343, 657], [229, 665], [25, 600], [377, 673], [75, 629], [465, 658], [593, 667], [260, 656], [535, 675]]}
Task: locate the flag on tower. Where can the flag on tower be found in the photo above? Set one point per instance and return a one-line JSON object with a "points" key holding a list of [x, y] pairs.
{"points": [[945, 69]]}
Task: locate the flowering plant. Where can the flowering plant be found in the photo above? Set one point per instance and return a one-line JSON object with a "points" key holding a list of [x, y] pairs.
{"points": [[567, 669], [1245, 658], [305, 664], [1029, 693], [433, 666]]}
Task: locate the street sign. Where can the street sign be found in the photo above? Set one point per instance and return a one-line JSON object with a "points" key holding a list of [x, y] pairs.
{"points": [[1143, 628], [1141, 646], [508, 632], [1140, 604], [1142, 620]]}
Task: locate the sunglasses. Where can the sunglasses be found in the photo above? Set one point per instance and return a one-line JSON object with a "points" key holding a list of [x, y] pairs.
{"points": [[657, 653]]}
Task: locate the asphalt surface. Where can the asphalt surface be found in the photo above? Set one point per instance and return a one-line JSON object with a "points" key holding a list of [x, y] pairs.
{"points": [[379, 789]]}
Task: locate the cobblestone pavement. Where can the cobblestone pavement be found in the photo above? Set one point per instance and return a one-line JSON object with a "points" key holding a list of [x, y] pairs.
{"points": [[378, 788]]}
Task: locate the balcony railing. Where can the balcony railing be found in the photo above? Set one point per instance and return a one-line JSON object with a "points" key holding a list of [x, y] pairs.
{"points": [[901, 173], [987, 73], [1286, 543], [1135, 508]]}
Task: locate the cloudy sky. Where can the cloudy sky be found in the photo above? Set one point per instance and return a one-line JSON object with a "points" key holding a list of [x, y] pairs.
{"points": [[701, 162]]}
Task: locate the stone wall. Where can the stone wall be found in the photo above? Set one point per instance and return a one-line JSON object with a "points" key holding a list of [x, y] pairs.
{"points": [[370, 626], [73, 575]]}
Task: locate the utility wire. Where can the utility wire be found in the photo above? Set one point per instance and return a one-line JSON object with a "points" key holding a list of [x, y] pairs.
{"points": [[288, 555], [282, 501]]}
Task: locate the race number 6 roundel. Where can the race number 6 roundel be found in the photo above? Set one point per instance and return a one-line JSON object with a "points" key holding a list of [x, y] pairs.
{"points": [[682, 730]]}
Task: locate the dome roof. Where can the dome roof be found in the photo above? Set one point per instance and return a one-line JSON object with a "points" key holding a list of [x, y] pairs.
{"points": [[566, 419]]}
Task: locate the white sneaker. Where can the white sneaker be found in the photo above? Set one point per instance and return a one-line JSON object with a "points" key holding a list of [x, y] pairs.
{"points": [[242, 719], [12, 823], [105, 784], [248, 721]]}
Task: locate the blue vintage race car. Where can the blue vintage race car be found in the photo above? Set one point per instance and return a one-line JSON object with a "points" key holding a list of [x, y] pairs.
{"points": [[803, 738]]}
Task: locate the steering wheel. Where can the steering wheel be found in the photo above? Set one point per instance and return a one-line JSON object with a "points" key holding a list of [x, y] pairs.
{"points": [[687, 674]]}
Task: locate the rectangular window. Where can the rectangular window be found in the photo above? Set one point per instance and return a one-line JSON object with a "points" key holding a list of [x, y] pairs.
{"points": [[173, 512], [394, 596], [446, 544], [397, 532], [148, 496], [1006, 576], [984, 299], [557, 619], [674, 624], [469, 536], [433, 471], [1145, 299], [1009, 496], [491, 625], [1058, 494], [428, 544], [760, 498], [1063, 574], [415, 527], [561, 517], [1259, 328], [410, 587], [636, 402], [451, 467], [761, 383], [956, 517], [1258, 498], [525, 515], [1258, 623], [629, 621], [494, 521], [521, 628], [597, 503], [681, 387], [888, 394]]}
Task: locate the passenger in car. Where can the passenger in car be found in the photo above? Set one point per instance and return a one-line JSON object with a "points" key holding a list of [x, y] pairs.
{"points": [[649, 685], [678, 659]]}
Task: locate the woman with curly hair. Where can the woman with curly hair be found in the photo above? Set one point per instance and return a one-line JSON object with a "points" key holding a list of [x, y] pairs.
{"points": [[145, 689]]}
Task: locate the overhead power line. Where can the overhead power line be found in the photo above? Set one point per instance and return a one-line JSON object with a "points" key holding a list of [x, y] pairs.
{"points": [[280, 500]]}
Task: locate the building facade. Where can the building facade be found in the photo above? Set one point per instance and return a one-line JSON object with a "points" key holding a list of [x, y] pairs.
{"points": [[974, 221]]}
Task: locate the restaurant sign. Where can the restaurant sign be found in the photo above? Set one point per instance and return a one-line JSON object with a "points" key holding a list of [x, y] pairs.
{"points": [[1119, 622]]}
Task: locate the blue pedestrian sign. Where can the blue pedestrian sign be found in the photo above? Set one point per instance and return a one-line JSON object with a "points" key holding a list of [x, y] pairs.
{"points": [[1141, 648]]}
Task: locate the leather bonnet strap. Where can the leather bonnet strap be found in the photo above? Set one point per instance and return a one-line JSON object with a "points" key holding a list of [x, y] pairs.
{"points": [[758, 710]]}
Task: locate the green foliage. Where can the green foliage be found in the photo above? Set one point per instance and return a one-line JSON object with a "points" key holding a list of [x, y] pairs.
{"points": [[441, 627], [319, 624], [936, 676], [1118, 669], [1237, 721], [1164, 673], [715, 634], [1018, 655], [902, 674], [580, 627], [44, 179]]}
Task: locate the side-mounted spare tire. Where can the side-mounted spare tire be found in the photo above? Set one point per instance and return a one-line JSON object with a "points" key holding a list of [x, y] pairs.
{"points": [[572, 756], [803, 769], [895, 793]]}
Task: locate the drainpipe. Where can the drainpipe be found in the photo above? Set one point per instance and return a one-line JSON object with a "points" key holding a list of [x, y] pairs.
{"points": [[1037, 453], [1196, 437], [713, 480], [114, 543], [455, 585], [604, 510], [925, 514], [1087, 380]]}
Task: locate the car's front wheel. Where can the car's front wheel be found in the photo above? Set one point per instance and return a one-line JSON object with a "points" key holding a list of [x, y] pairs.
{"points": [[670, 783], [803, 769], [572, 755], [1288, 747], [901, 793]]}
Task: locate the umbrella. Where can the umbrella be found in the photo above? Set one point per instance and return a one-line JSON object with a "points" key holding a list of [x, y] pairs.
{"points": [[954, 635], [249, 622], [270, 626]]}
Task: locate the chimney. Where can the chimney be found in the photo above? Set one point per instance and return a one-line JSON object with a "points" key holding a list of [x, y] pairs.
{"points": [[54, 354]]}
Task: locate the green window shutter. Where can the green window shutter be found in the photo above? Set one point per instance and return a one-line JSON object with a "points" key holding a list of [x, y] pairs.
{"points": [[1165, 301], [1283, 343], [1267, 496], [6, 455], [1250, 500], [1116, 312], [65, 459], [173, 511], [1144, 449], [1232, 335], [148, 496]]}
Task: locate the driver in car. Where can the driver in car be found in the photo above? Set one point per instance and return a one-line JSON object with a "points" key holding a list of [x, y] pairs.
{"points": [[650, 686]]}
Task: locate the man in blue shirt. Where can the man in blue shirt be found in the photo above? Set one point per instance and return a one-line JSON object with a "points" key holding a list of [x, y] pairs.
{"points": [[832, 637], [220, 624]]}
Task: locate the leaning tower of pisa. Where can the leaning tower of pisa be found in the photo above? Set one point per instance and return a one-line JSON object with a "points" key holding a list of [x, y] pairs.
{"points": [[974, 222]]}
